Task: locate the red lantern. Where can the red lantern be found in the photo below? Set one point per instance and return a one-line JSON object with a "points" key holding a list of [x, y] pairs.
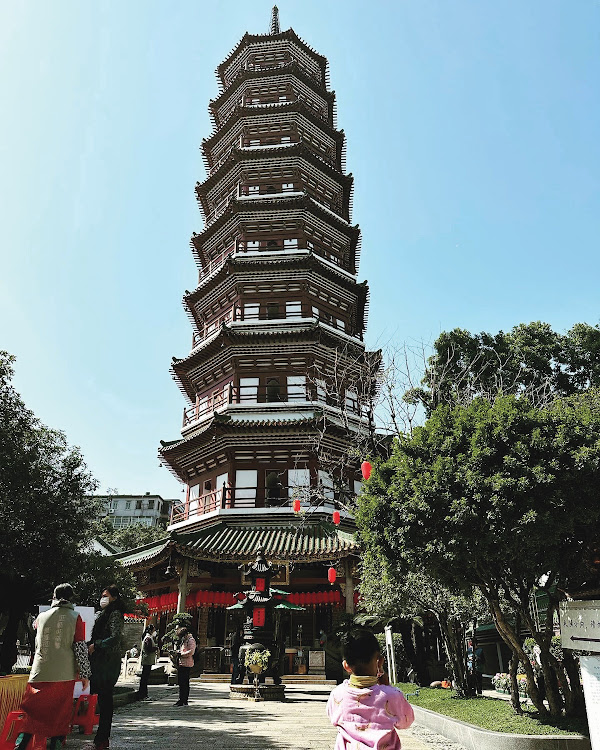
{"points": [[260, 584], [258, 617], [336, 517], [331, 575], [365, 469], [296, 506]]}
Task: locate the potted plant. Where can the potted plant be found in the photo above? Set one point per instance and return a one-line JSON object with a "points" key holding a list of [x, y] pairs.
{"points": [[257, 660]]}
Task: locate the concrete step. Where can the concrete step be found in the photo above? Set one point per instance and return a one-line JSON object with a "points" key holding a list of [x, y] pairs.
{"points": [[291, 679]]}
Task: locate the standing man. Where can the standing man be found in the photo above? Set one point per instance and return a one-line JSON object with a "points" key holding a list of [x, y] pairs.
{"points": [[478, 664], [148, 659], [60, 658], [237, 675]]}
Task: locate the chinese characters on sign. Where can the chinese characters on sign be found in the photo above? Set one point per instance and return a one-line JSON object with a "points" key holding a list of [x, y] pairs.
{"points": [[580, 625]]}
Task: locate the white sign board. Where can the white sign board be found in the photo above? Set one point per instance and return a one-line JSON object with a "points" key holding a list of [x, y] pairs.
{"points": [[590, 672], [580, 625]]}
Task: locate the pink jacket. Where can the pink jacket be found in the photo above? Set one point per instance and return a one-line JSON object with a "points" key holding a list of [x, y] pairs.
{"points": [[368, 717], [187, 651]]}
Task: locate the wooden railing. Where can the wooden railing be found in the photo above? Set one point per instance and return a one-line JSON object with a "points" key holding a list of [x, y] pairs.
{"points": [[242, 497]]}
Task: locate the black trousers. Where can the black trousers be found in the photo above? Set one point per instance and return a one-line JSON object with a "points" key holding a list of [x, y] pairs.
{"points": [[105, 709], [183, 680], [478, 677], [143, 688]]}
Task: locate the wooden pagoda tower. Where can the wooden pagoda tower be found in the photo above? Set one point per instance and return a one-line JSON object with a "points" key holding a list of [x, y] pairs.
{"points": [[277, 372]]}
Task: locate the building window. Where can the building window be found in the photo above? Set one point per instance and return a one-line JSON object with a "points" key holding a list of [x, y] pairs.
{"points": [[150, 504], [138, 504], [248, 390], [352, 401], [251, 311], [127, 504], [293, 309], [296, 388]]}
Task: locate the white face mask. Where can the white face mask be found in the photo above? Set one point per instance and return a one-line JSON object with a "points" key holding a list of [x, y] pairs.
{"points": [[104, 602]]}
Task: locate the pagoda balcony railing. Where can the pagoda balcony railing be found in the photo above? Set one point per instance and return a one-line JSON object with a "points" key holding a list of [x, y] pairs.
{"points": [[231, 498], [323, 152], [266, 246], [265, 191], [277, 391], [276, 65], [238, 315], [276, 101]]}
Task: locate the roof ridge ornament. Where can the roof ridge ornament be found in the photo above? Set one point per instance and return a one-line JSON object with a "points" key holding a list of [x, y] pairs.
{"points": [[275, 29]]}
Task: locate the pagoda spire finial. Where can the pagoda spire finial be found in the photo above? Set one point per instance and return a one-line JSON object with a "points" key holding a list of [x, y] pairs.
{"points": [[275, 21]]}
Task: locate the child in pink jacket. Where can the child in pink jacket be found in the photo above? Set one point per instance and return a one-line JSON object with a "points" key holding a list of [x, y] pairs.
{"points": [[366, 710]]}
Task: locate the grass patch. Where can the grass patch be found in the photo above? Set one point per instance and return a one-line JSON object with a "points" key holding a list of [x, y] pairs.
{"points": [[489, 713]]}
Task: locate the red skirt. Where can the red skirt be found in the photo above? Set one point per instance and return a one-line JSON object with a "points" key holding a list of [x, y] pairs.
{"points": [[48, 708]]}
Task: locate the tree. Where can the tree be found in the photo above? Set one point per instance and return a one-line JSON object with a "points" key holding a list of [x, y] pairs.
{"points": [[531, 360], [391, 591], [46, 509], [501, 496], [129, 537]]}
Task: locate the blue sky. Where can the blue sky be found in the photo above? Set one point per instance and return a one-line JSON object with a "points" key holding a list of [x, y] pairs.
{"points": [[472, 135]]}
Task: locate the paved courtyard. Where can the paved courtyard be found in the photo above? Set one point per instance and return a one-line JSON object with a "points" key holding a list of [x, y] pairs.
{"points": [[212, 720]]}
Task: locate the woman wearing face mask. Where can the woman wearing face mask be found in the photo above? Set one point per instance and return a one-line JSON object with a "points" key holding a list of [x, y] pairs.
{"points": [[105, 659]]}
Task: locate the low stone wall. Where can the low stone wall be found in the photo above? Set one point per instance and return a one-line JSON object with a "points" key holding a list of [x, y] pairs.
{"points": [[474, 738]]}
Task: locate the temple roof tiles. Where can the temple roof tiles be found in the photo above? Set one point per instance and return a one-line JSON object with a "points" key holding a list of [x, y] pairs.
{"points": [[237, 540]]}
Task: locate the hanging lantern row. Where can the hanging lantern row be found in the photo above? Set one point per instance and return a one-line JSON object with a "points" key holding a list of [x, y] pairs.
{"points": [[162, 603], [315, 598], [168, 602]]}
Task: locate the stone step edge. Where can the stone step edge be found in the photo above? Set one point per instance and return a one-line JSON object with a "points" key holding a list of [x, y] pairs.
{"points": [[476, 738]]}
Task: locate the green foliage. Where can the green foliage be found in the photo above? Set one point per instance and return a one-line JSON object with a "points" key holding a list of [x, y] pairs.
{"points": [[257, 656], [129, 537], [402, 661], [181, 619], [490, 494], [46, 512], [493, 494], [96, 573], [531, 359], [489, 713]]}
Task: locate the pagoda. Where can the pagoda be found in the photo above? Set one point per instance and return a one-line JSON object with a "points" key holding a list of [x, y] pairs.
{"points": [[277, 373]]}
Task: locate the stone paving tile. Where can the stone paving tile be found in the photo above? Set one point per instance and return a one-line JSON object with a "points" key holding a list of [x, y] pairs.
{"points": [[214, 722]]}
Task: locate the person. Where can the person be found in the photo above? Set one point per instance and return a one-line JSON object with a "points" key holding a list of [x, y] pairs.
{"points": [[365, 708], [60, 657], [149, 651], [105, 653], [237, 674], [478, 664], [186, 651]]}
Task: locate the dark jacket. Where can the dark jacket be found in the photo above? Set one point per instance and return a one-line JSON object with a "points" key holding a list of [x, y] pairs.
{"points": [[106, 637]]}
